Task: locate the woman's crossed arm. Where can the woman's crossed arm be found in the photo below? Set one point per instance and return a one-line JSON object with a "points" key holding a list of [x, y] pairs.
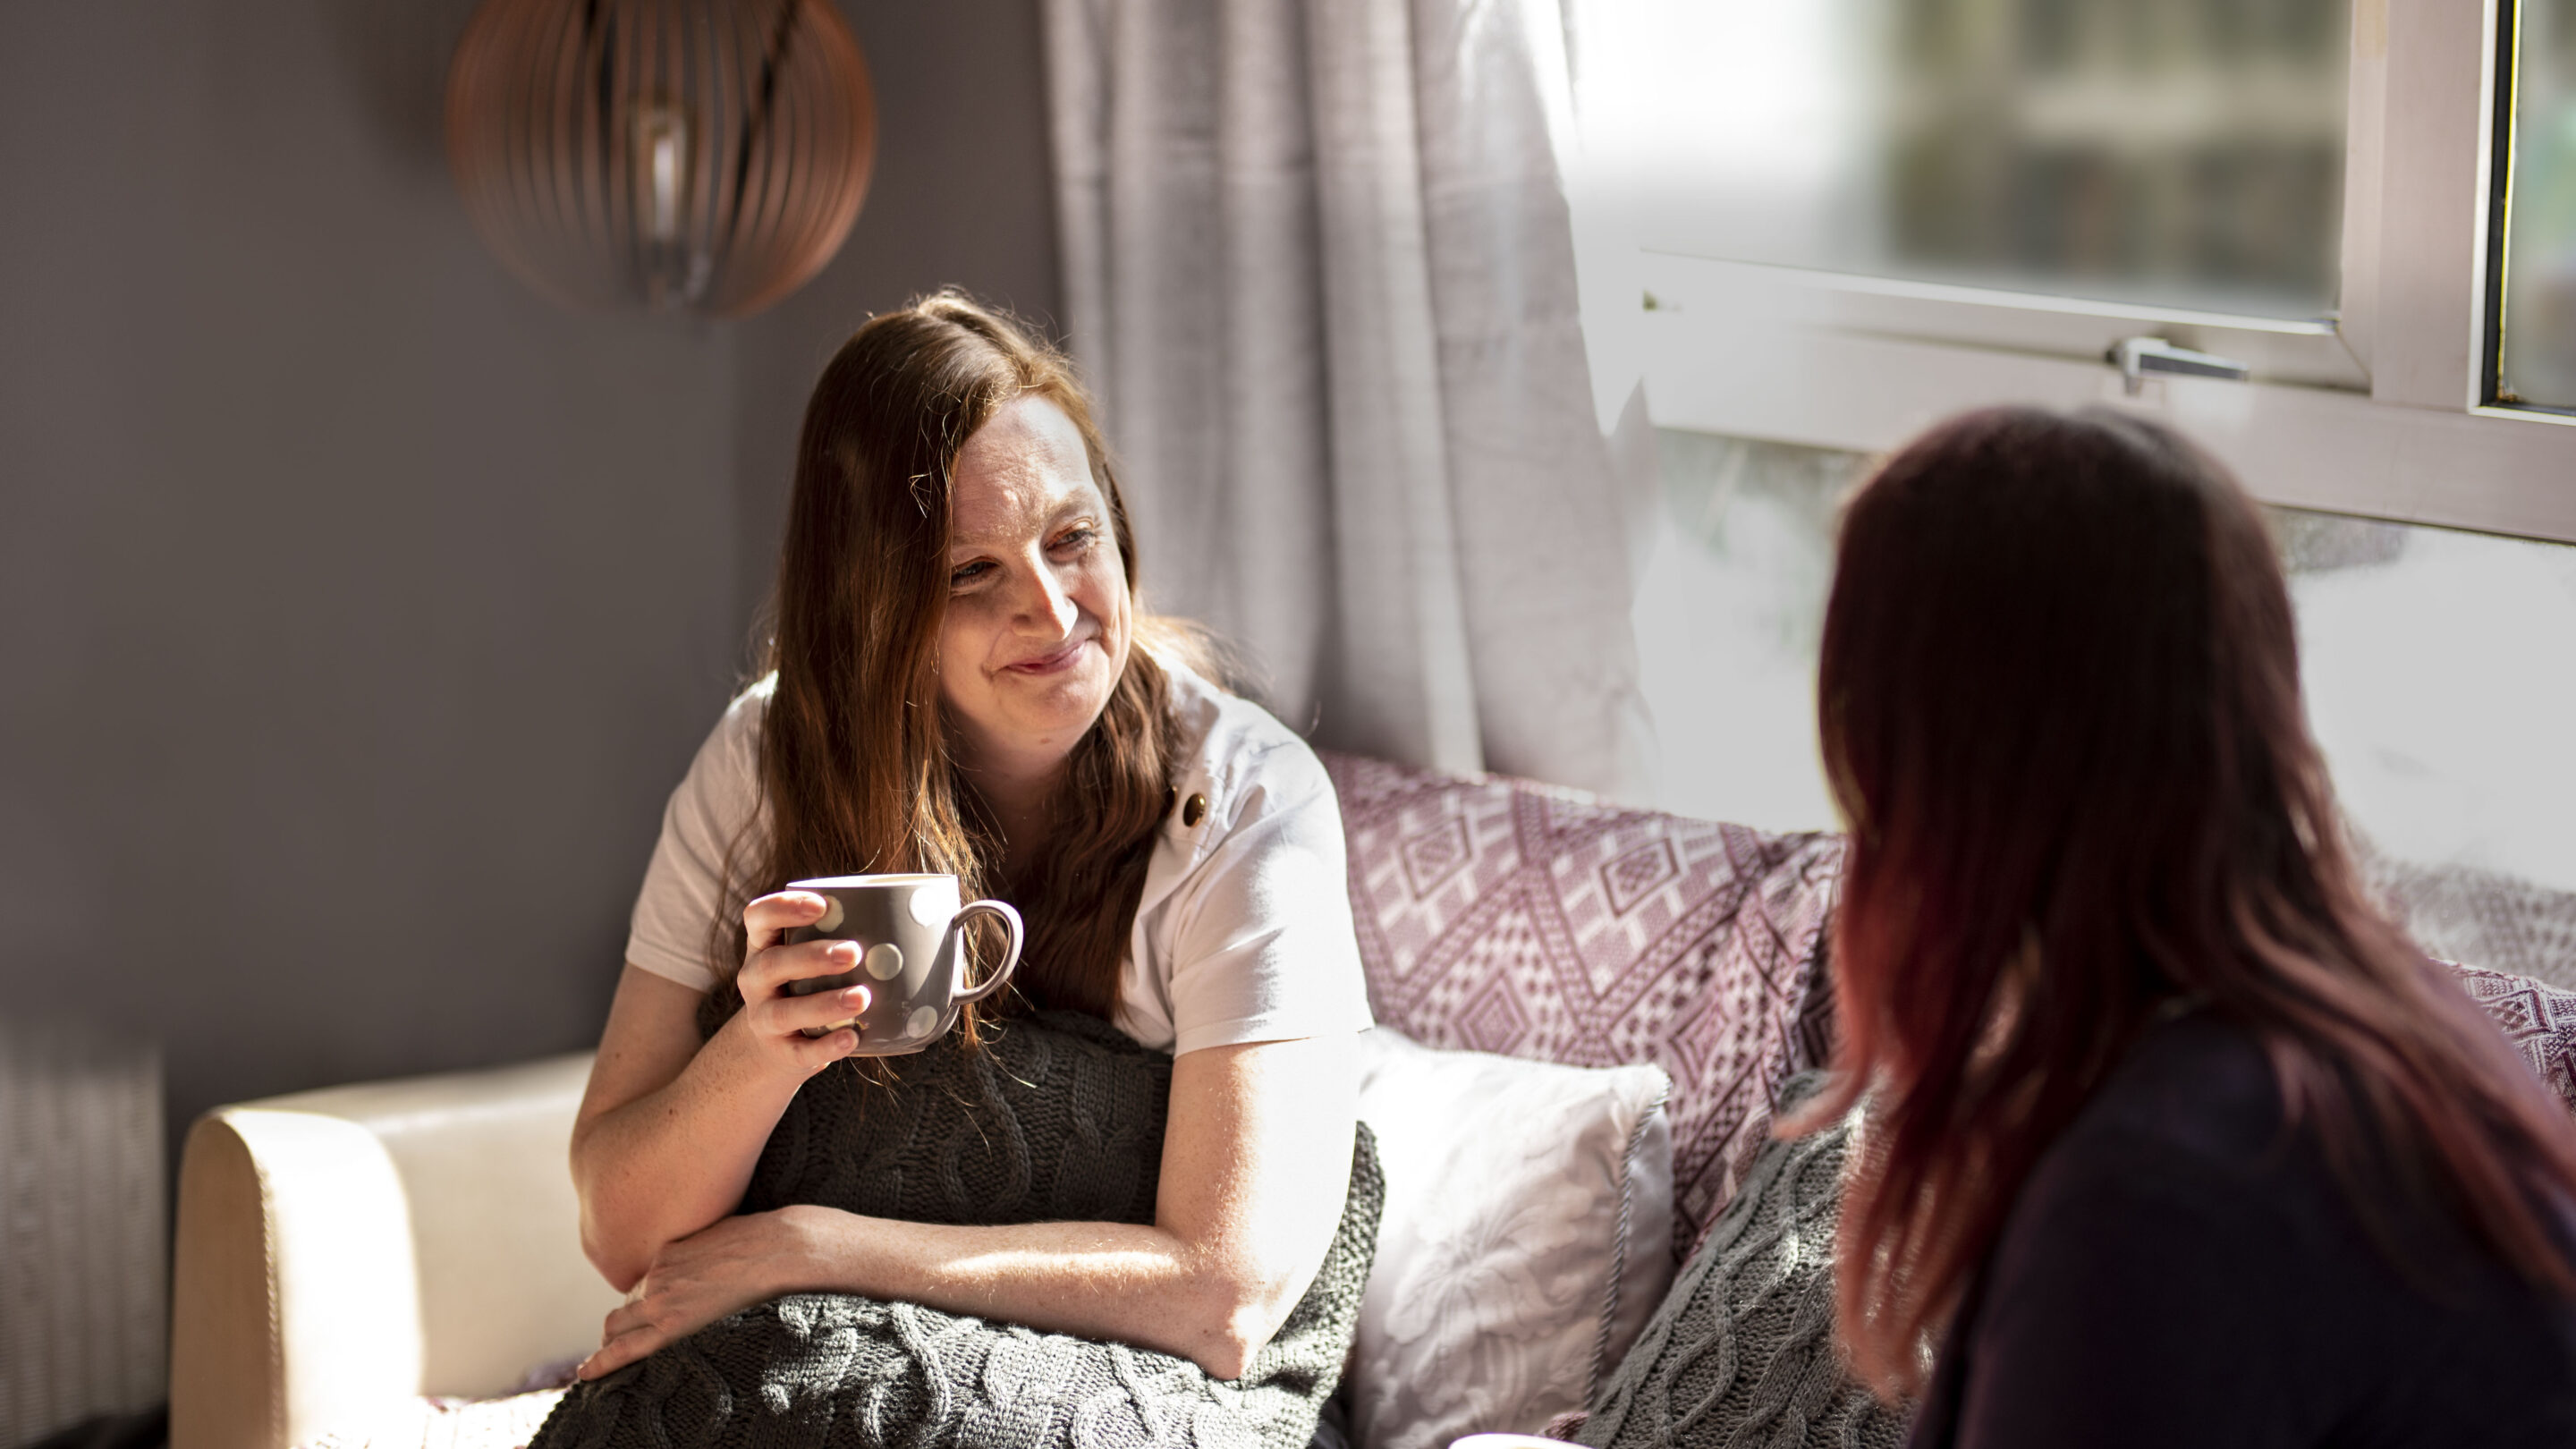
{"points": [[1256, 1157]]}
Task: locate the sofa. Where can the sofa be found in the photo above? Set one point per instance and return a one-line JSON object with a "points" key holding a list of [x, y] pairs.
{"points": [[397, 1263]]}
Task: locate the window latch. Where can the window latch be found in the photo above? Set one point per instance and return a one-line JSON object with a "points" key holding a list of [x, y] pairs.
{"points": [[2138, 356]]}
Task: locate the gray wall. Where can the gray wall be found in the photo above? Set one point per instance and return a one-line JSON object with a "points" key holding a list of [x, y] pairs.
{"points": [[357, 608]]}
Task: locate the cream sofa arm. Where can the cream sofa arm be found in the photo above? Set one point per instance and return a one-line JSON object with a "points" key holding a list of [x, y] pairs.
{"points": [[342, 1252]]}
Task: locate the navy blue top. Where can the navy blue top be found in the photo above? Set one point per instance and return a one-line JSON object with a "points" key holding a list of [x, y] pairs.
{"points": [[2180, 1271]]}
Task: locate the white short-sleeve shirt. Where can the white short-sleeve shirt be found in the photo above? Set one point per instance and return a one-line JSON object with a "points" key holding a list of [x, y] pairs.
{"points": [[1243, 932]]}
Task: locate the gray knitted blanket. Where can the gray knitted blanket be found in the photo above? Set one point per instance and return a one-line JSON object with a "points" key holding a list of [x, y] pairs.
{"points": [[1741, 1355], [1060, 1118]]}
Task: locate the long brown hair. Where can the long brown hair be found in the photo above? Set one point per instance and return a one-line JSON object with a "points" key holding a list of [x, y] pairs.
{"points": [[857, 772], [2060, 710]]}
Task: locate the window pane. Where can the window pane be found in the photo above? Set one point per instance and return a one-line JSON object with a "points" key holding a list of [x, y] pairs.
{"points": [[2537, 358], [2436, 664], [2172, 152]]}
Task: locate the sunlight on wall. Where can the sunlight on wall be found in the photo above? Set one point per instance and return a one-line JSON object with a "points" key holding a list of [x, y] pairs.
{"points": [[1728, 615], [2440, 666], [2442, 687]]}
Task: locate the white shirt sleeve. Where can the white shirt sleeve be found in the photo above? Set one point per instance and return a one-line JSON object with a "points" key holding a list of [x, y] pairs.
{"points": [[684, 885], [1254, 940]]}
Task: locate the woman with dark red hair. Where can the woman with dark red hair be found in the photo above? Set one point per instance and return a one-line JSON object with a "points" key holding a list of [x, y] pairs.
{"points": [[2174, 1139]]}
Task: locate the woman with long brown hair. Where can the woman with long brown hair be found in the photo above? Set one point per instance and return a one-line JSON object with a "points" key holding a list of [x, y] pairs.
{"points": [[963, 681], [2173, 1138]]}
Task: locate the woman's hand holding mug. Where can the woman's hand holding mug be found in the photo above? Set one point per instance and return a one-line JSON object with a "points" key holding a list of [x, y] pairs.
{"points": [[868, 965], [910, 931], [775, 1019]]}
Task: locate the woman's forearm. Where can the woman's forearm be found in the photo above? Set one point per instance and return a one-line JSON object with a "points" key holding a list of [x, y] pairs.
{"points": [[1132, 1283], [676, 1159], [1256, 1157]]}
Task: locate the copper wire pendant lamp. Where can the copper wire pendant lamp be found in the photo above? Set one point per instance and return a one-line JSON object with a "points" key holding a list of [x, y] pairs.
{"points": [[706, 155]]}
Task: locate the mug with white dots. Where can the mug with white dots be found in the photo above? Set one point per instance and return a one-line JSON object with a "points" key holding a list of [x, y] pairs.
{"points": [[912, 955]]}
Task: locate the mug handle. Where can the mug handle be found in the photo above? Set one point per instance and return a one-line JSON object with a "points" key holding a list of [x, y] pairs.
{"points": [[1010, 958]]}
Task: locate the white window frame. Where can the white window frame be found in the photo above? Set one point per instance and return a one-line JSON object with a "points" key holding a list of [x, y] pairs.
{"points": [[2377, 411]]}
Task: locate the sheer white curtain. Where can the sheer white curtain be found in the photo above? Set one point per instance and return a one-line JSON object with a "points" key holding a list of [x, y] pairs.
{"points": [[1321, 266]]}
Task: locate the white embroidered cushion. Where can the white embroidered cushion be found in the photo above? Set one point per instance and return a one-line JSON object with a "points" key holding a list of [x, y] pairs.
{"points": [[1527, 1236]]}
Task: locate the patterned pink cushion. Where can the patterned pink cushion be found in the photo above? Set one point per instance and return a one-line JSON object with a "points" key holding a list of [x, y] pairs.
{"points": [[1504, 916], [2541, 1019]]}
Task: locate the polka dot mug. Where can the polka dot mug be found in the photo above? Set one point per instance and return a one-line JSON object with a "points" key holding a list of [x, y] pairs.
{"points": [[912, 955]]}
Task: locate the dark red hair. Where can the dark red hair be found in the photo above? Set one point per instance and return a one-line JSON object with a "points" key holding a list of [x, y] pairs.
{"points": [[2059, 705]]}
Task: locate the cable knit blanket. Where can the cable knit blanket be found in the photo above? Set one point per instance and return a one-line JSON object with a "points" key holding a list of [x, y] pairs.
{"points": [[1741, 1355], [1059, 1118]]}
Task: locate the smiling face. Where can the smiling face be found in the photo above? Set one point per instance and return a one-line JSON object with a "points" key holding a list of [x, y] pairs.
{"points": [[1037, 628]]}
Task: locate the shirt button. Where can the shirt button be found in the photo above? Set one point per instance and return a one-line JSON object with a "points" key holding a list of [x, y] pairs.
{"points": [[1193, 810]]}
